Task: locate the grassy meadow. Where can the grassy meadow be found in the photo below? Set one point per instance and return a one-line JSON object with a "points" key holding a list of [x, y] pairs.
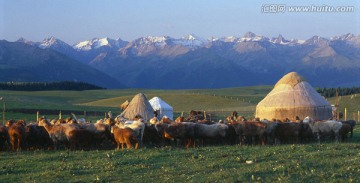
{"points": [[221, 102], [326, 162], [218, 102]]}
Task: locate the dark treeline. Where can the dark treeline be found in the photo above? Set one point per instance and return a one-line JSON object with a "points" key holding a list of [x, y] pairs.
{"points": [[331, 92], [42, 86]]}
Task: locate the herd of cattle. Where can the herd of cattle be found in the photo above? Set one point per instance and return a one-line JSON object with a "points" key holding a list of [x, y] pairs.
{"points": [[118, 132]]}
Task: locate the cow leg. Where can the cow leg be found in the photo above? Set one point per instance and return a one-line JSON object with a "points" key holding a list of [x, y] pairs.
{"points": [[337, 137], [19, 144], [12, 141], [137, 145], [128, 143], [317, 135]]}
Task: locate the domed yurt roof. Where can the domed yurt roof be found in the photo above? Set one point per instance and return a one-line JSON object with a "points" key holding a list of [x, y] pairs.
{"points": [[293, 96], [139, 105]]}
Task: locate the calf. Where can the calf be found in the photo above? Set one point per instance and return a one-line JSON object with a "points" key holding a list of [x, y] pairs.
{"points": [[125, 136], [17, 135]]}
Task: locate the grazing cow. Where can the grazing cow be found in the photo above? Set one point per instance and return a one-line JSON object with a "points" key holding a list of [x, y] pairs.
{"points": [[37, 137], [125, 136], [305, 134], [17, 135], [270, 131], [80, 139], [231, 135], [100, 131], [352, 124], [152, 136], [322, 128], [4, 137], [138, 126], [251, 130], [216, 132], [184, 132], [58, 133], [154, 121], [288, 132], [180, 119], [165, 119], [344, 131]]}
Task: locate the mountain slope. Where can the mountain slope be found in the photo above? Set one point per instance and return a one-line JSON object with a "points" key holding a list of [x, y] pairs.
{"points": [[23, 62], [193, 62]]}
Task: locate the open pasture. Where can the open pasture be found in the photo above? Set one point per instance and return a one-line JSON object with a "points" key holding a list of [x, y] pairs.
{"points": [[326, 162], [20, 104]]}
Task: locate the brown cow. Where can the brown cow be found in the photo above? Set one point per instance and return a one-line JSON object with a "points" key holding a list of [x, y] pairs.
{"points": [[58, 133], [344, 131], [17, 135], [288, 132], [251, 130], [81, 139], [180, 119], [184, 132], [125, 136], [352, 124], [37, 137], [4, 137]]}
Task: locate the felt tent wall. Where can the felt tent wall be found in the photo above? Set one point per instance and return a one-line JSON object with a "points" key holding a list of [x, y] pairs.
{"points": [[139, 105], [162, 107], [292, 96]]}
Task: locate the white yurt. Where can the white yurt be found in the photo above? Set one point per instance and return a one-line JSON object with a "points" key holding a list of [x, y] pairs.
{"points": [[163, 108]]}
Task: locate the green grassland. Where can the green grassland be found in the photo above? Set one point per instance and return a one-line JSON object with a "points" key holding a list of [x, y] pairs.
{"points": [[219, 102], [326, 162]]}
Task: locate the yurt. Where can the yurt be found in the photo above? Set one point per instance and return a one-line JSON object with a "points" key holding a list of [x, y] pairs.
{"points": [[139, 105], [163, 108], [292, 96]]}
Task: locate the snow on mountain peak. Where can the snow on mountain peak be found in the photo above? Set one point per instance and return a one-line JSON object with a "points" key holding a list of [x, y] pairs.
{"points": [[156, 39], [95, 44], [250, 36], [191, 41], [316, 40], [230, 39], [23, 40], [50, 42], [280, 40]]}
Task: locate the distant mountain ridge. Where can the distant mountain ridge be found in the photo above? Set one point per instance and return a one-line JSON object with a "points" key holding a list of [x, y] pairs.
{"points": [[195, 62], [21, 62]]}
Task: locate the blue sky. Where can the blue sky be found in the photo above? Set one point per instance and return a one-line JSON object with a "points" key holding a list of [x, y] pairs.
{"points": [[78, 20]]}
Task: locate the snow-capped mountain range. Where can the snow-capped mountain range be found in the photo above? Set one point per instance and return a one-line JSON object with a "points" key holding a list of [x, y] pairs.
{"points": [[190, 41], [195, 62]]}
